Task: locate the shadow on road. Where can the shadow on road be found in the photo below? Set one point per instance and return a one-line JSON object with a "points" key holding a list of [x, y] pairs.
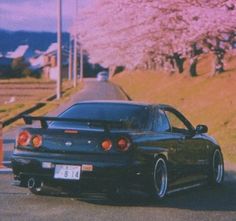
{"points": [[204, 198]]}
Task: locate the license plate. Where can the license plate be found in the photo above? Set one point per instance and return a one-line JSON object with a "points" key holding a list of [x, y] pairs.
{"points": [[68, 172]]}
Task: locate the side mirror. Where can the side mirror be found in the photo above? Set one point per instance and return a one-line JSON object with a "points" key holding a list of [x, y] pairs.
{"points": [[201, 129]]}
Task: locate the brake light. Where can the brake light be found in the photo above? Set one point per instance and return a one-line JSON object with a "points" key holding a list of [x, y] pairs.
{"points": [[106, 144], [37, 141], [23, 138], [123, 144]]}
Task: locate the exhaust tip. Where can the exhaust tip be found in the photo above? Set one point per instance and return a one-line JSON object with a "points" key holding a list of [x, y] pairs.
{"points": [[31, 183]]}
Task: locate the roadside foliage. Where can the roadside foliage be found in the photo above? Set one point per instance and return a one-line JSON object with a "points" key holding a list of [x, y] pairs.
{"points": [[151, 33]]}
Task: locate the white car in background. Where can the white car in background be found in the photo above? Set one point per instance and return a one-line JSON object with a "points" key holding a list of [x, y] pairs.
{"points": [[103, 76]]}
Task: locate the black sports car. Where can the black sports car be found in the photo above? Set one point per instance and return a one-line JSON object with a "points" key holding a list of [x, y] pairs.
{"points": [[110, 145]]}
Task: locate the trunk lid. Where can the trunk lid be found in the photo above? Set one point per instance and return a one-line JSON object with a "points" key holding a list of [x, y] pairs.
{"points": [[75, 141]]}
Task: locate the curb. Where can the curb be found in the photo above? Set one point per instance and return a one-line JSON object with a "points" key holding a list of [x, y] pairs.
{"points": [[124, 92], [5, 170]]}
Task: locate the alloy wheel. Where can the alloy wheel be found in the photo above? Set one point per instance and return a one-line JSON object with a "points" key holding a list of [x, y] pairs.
{"points": [[218, 167], [160, 178]]}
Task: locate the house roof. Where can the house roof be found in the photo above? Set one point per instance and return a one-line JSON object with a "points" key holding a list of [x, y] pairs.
{"points": [[52, 50], [52, 47], [19, 52]]}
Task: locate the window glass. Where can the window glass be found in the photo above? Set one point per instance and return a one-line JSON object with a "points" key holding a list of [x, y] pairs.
{"points": [[177, 124], [162, 123], [134, 116]]}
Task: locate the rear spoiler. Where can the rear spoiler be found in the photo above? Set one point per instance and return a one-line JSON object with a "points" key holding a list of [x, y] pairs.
{"points": [[44, 121]]}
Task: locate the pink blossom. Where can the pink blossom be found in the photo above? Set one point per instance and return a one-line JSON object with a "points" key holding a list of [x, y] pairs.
{"points": [[129, 32]]}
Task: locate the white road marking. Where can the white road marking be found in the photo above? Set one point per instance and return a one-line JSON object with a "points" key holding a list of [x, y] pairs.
{"points": [[2, 170]]}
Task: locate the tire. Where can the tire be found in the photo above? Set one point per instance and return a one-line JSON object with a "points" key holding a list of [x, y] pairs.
{"points": [[216, 175], [160, 179]]}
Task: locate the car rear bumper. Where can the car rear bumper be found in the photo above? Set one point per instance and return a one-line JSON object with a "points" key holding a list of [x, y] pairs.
{"points": [[99, 170]]}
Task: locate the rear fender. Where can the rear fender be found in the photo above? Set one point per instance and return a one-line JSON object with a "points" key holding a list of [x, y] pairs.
{"points": [[162, 154], [154, 151]]}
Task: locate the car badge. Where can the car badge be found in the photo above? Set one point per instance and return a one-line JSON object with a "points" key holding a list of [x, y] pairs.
{"points": [[68, 143]]}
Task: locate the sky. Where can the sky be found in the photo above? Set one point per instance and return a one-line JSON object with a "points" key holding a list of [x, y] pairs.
{"points": [[36, 15]]}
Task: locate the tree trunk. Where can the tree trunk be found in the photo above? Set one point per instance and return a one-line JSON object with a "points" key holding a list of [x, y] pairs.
{"points": [[193, 66], [195, 52], [179, 62], [170, 64], [219, 61]]}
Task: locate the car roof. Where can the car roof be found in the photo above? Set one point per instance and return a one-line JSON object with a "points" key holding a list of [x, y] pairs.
{"points": [[128, 102], [113, 102]]}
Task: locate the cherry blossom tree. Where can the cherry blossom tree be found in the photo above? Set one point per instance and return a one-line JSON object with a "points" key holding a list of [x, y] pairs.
{"points": [[140, 33]]}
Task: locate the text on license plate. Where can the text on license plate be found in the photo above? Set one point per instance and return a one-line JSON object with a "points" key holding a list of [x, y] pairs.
{"points": [[68, 172]]}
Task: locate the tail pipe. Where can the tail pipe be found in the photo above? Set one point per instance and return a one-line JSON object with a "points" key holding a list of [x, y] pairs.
{"points": [[34, 183], [31, 183]]}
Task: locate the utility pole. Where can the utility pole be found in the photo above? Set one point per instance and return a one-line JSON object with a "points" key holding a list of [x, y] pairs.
{"points": [[75, 46], [59, 27], [70, 59], [81, 64]]}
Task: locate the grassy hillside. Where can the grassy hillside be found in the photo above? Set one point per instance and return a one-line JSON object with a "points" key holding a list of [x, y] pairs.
{"points": [[203, 99]]}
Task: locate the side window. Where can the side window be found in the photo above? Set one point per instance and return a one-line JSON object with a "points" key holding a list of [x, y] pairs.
{"points": [[161, 123], [177, 125]]}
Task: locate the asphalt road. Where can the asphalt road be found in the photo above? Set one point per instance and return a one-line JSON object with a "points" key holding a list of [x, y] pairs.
{"points": [[203, 204], [94, 90]]}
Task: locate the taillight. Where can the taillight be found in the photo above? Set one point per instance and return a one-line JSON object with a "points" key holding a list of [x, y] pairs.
{"points": [[106, 144], [37, 141], [123, 144], [23, 138]]}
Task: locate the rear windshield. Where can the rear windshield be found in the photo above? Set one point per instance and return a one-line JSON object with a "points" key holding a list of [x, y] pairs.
{"points": [[133, 116]]}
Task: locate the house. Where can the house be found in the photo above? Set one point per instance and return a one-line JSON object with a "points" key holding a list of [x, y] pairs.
{"points": [[7, 59], [47, 62]]}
